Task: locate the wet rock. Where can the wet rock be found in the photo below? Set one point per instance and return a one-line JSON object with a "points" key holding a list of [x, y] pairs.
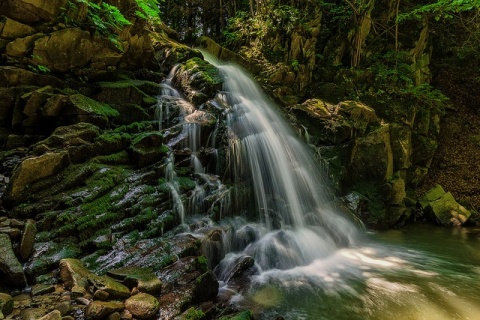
{"points": [[142, 305], [141, 278], [33, 169], [6, 304], [54, 315], [64, 307], [28, 239], [101, 295], [441, 207], [101, 309], [11, 232], [10, 267], [147, 149], [73, 273]]}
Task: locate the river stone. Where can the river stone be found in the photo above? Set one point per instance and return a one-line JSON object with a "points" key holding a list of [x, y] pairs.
{"points": [[54, 315], [10, 267], [33, 169], [114, 316], [40, 289], [64, 307], [142, 278], [13, 233], [32, 314], [142, 305], [101, 309], [11, 29], [28, 239], [65, 49], [447, 211], [73, 273], [6, 304]]}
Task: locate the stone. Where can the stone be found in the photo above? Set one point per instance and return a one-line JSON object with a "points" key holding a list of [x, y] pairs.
{"points": [[444, 210], [100, 295], [141, 278], [41, 289], [6, 304], [12, 232], [33, 169], [54, 106], [32, 314], [73, 273], [28, 239], [54, 315], [114, 316], [11, 29], [10, 267], [147, 149], [65, 49], [142, 305], [13, 76], [31, 11], [64, 307], [101, 309]]}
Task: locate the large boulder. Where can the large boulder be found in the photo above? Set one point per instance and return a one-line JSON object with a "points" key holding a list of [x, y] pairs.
{"points": [[11, 29], [442, 208], [97, 310], [65, 49], [10, 267], [33, 169]]}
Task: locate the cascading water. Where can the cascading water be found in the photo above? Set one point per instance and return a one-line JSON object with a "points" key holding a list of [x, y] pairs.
{"points": [[297, 258]]}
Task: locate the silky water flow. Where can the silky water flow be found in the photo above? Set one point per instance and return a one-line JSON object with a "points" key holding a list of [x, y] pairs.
{"points": [[287, 253]]}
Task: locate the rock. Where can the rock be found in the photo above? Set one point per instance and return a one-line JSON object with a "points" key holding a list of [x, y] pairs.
{"points": [[12, 76], [33, 169], [100, 309], [147, 148], [41, 289], [114, 316], [6, 304], [64, 307], [141, 278], [28, 239], [73, 273], [54, 315], [73, 135], [65, 49], [12, 232], [20, 47], [10, 267], [11, 29], [100, 295], [441, 207], [31, 11], [32, 314], [206, 287], [142, 305]]}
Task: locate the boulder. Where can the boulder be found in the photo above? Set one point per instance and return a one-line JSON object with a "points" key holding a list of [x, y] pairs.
{"points": [[33, 169], [11, 29], [54, 315], [6, 304], [141, 278], [10, 267], [142, 305], [147, 148], [19, 47], [442, 208], [31, 11], [65, 49], [28, 239], [12, 77], [97, 310], [73, 273]]}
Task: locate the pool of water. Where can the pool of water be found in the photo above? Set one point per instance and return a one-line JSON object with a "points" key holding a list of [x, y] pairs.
{"points": [[419, 272]]}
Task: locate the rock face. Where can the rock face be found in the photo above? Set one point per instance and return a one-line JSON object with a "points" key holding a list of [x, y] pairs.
{"points": [[10, 267], [442, 208]]}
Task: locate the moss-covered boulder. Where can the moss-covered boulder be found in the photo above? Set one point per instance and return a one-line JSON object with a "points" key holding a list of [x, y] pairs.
{"points": [[442, 208], [33, 169], [97, 310], [141, 278], [147, 148], [6, 304], [198, 79], [142, 305]]}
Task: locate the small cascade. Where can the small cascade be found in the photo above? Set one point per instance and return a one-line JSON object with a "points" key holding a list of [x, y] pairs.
{"points": [[172, 184]]}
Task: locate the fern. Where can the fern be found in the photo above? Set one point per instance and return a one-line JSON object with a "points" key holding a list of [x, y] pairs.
{"points": [[148, 9]]}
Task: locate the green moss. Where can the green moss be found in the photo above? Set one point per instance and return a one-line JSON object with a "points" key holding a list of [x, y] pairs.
{"points": [[92, 106], [202, 263], [119, 158], [185, 184], [244, 315], [208, 72], [192, 314], [137, 127]]}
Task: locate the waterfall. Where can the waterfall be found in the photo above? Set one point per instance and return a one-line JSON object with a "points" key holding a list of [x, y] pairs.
{"points": [[278, 182]]}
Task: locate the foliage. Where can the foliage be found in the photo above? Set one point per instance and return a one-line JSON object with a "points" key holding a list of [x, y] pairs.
{"points": [[193, 314], [148, 9], [105, 17], [442, 9]]}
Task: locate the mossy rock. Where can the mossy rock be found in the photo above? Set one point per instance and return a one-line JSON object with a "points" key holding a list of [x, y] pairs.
{"points": [[88, 106], [142, 278], [127, 92], [243, 315]]}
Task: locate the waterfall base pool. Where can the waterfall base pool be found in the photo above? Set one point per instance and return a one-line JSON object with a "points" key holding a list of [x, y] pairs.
{"points": [[420, 272]]}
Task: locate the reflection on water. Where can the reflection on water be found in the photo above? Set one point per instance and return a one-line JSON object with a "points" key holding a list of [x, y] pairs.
{"points": [[422, 272]]}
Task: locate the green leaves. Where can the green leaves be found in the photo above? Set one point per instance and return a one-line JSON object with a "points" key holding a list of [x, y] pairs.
{"points": [[149, 9], [442, 9]]}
